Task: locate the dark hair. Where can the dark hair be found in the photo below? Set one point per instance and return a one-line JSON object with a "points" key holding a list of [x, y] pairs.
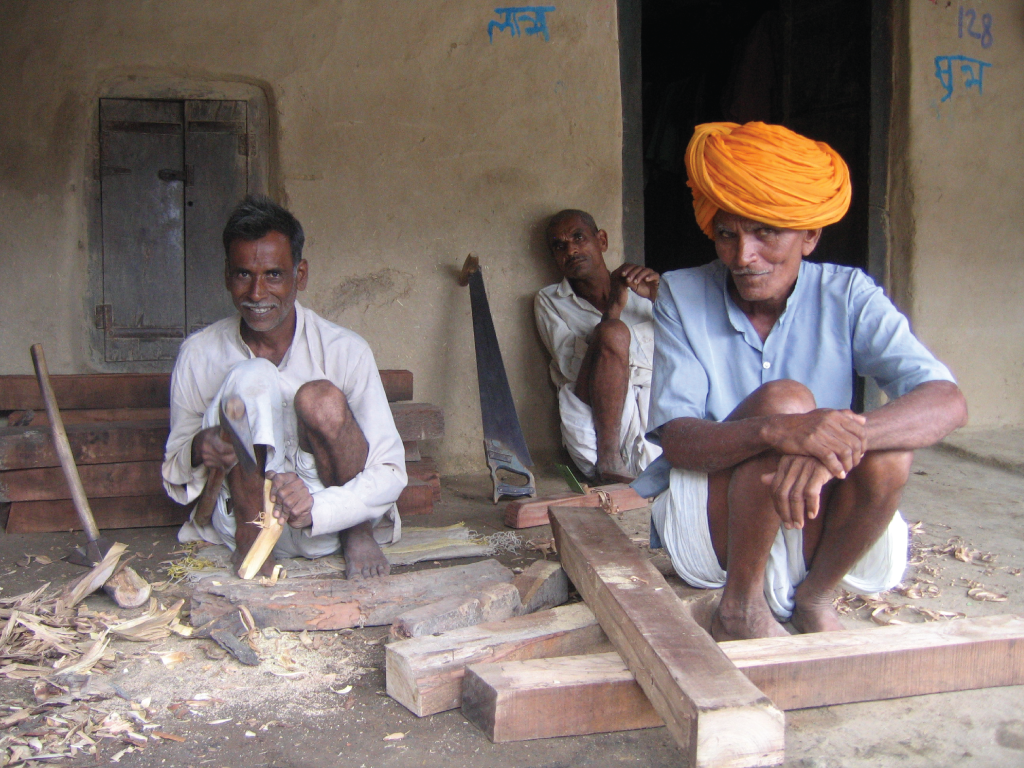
{"points": [[571, 213], [258, 215]]}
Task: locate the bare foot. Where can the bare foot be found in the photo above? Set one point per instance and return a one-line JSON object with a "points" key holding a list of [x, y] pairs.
{"points": [[363, 558], [816, 616], [613, 472], [745, 623]]}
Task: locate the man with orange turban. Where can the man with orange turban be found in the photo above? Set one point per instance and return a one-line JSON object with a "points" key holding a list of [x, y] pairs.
{"points": [[769, 483]]}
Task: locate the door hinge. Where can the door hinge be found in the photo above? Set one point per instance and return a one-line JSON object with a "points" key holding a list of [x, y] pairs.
{"points": [[104, 316], [243, 144]]}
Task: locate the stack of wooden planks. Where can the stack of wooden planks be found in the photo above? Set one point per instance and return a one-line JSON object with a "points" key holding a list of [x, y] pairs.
{"points": [[636, 655], [117, 426]]}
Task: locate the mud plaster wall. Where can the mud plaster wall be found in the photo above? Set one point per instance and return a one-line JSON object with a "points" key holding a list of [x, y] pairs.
{"points": [[403, 139], [967, 167]]}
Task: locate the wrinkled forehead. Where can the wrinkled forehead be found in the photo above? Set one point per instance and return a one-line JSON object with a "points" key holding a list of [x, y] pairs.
{"points": [[565, 228]]}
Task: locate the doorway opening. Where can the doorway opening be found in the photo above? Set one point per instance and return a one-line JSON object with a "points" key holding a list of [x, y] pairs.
{"points": [[805, 64]]}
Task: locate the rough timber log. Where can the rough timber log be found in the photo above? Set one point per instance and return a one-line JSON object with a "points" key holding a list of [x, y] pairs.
{"points": [[336, 603]]}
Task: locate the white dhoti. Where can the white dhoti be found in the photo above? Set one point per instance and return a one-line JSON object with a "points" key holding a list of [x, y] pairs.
{"points": [[272, 422], [580, 439], [680, 515]]}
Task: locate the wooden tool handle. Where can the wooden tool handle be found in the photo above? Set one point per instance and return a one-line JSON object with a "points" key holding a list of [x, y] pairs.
{"points": [[60, 442], [208, 498]]}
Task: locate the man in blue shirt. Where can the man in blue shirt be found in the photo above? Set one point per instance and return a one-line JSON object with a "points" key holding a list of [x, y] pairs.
{"points": [[769, 483]]}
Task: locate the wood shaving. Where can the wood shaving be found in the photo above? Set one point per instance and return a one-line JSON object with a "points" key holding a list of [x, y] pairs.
{"points": [[156, 624]]}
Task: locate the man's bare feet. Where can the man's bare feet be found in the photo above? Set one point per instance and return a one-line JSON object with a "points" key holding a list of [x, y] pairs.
{"points": [[613, 472], [815, 615], [745, 623], [363, 557]]}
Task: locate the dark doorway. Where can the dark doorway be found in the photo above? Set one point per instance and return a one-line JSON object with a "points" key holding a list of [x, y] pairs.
{"points": [[805, 64]]}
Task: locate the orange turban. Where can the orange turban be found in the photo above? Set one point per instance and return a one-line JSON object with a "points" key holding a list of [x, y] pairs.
{"points": [[766, 173]]}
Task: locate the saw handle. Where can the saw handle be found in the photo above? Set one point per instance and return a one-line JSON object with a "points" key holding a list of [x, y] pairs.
{"points": [[60, 442]]}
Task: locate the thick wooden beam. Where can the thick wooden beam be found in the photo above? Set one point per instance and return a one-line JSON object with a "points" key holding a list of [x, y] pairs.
{"points": [[884, 662], [132, 390], [544, 698], [425, 470], [297, 604], [134, 478], [425, 673], [528, 513], [95, 443], [90, 390], [417, 498], [40, 419], [418, 421], [716, 715], [519, 700], [123, 512]]}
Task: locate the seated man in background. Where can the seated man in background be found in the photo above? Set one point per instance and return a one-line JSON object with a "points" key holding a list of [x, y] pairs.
{"points": [[769, 484], [313, 397], [597, 326]]}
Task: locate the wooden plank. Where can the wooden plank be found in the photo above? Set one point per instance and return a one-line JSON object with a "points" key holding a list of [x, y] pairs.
{"points": [[516, 700], [132, 390], [39, 418], [337, 603], [122, 512], [417, 498], [488, 603], [425, 471], [544, 698], [418, 421], [528, 513], [134, 478], [425, 673], [397, 384], [90, 390], [888, 662], [91, 443], [716, 715]]}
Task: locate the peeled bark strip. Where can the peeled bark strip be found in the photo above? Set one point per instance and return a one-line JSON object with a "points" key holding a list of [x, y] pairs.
{"points": [[265, 542]]}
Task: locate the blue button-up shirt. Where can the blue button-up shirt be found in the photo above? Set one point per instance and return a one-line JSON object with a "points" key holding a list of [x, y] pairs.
{"points": [[837, 323]]}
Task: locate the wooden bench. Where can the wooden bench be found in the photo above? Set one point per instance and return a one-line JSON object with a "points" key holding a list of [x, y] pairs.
{"points": [[117, 426]]}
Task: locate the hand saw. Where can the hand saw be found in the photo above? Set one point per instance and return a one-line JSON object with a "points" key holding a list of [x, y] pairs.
{"points": [[504, 445]]}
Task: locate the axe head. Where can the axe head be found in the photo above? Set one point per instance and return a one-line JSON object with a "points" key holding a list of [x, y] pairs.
{"points": [[235, 423]]}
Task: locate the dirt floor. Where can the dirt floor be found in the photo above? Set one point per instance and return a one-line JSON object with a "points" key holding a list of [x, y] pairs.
{"points": [[320, 700]]}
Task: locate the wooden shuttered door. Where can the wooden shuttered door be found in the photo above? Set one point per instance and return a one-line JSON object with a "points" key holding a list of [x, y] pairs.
{"points": [[171, 172]]}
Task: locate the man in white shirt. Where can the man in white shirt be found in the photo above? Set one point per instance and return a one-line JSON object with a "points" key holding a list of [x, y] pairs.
{"points": [[598, 327], [313, 398]]}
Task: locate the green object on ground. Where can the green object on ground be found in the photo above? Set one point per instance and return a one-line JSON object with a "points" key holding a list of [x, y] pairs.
{"points": [[570, 478]]}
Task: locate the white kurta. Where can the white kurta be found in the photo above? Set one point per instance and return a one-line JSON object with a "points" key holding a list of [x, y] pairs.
{"points": [[565, 323], [319, 350]]}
